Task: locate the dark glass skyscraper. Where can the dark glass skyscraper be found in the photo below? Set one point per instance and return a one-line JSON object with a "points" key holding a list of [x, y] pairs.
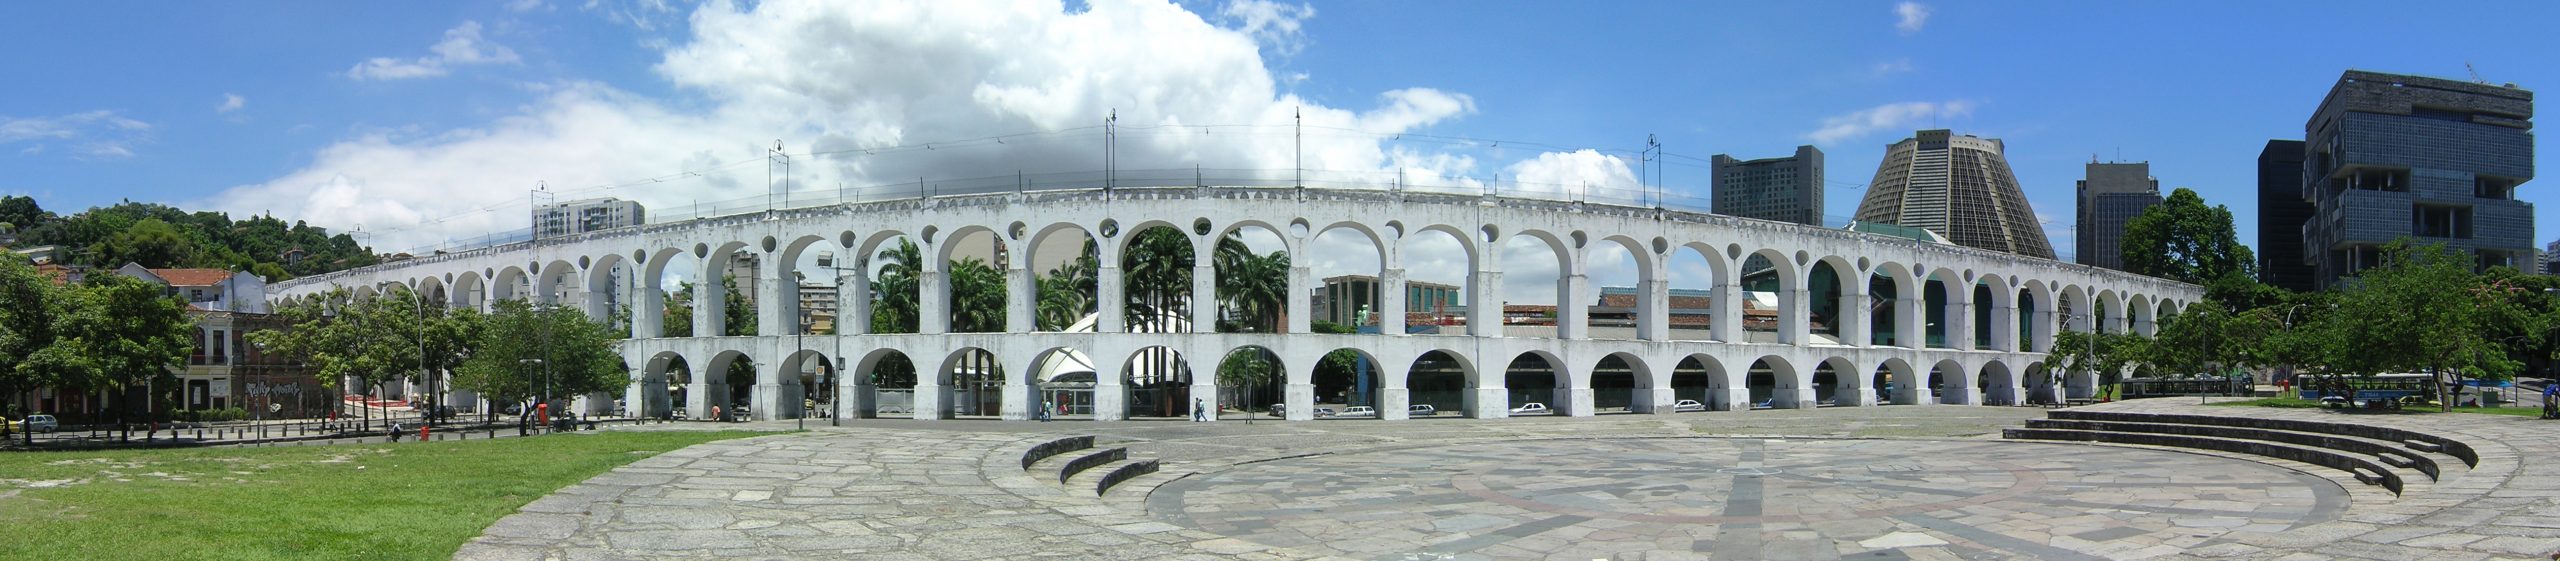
{"points": [[2281, 214], [2110, 196], [1785, 189], [2390, 155]]}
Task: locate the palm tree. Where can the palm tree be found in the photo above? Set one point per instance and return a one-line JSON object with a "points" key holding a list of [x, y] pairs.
{"points": [[893, 297], [977, 297], [1067, 292]]}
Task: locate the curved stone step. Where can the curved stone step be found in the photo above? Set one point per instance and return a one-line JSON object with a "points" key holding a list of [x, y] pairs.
{"points": [[1089, 460], [2366, 470], [1044, 450], [2386, 452], [1101, 478], [2447, 446]]}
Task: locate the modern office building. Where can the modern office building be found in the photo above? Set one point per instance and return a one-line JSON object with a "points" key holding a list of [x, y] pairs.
{"points": [[587, 215], [1345, 299], [2111, 194], [2550, 253], [2281, 215], [2389, 156], [1784, 189], [1956, 185]]}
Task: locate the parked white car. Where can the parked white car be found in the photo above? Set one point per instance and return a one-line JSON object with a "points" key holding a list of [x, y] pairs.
{"points": [[41, 423], [1421, 410], [1688, 405], [1358, 411], [1530, 408], [1322, 412]]}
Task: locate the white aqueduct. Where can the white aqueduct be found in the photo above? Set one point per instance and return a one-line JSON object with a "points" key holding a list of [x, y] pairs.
{"points": [[2023, 294]]}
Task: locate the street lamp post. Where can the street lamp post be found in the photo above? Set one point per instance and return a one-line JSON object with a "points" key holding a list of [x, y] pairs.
{"points": [[421, 303]]}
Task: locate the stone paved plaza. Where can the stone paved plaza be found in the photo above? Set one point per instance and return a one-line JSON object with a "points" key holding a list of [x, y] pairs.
{"points": [[1844, 483]]}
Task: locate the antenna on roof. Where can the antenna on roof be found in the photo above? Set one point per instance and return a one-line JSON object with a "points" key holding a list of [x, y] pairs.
{"points": [[2475, 73]]}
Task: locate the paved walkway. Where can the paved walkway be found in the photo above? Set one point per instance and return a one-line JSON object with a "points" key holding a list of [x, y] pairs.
{"points": [[1858, 483]]}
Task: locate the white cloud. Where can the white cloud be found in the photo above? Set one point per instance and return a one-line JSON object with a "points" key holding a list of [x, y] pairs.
{"points": [[462, 46], [1584, 171], [837, 80], [91, 135], [1910, 17], [1273, 23], [1890, 116], [1891, 67], [525, 5], [230, 103]]}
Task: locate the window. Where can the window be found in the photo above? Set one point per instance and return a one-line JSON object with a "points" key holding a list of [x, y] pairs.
{"points": [[2493, 188], [2436, 221], [221, 349]]}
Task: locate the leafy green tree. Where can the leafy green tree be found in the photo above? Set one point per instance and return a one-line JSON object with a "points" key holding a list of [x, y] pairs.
{"points": [[23, 212], [977, 297], [28, 302], [2423, 310], [117, 332], [894, 295], [576, 354], [1157, 267], [1256, 287], [1067, 291], [1246, 370], [2182, 239], [344, 338], [150, 242]]}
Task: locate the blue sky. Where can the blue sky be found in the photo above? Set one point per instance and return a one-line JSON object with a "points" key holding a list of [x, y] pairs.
{"points": [[425, 121]]}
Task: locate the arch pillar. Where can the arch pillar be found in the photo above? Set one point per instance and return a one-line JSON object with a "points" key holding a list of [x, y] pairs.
{"points": [[933, 304], [855, 394], [1724, 319], [1959, 310], [1484, 311], [1394, 389], [853, 302], [1301, 282], [1022, 297], [1573, 314], [2004, 326], [1204, 296], [1110, 390], [1854, 326], [1204, 392], [1111, 301], [1298, 390], [1391, 301], [648, 308], [1573, 388], [1959, 388], [778, 304], [1653, 308], [710, 301]]}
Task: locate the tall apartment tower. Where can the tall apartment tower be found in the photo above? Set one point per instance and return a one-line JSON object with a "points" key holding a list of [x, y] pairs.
{"points": [[2390, 156], [2110, 196], [2281, 215], [1785, 189], [585, 215], [1956, 185]]}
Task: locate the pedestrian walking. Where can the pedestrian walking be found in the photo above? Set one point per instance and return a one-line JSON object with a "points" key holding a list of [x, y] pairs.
{"points": [[715, 414], [2551, 399], [1199, 412], [1044, 411]]}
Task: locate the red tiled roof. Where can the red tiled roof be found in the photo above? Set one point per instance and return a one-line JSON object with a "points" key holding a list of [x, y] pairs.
{"points": [[60, 274], [192, 277]]}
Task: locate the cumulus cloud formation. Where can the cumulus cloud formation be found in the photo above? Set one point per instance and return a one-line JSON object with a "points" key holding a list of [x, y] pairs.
{"points": [[1910, 17], [1273, 23], [91, 135], [462, 46], [230, 103], [1891, 67], [1890, 116], [888, 94]]}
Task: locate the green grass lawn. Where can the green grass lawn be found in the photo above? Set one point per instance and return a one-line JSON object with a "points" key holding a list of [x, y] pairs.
{"points": [[377, 501]]}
